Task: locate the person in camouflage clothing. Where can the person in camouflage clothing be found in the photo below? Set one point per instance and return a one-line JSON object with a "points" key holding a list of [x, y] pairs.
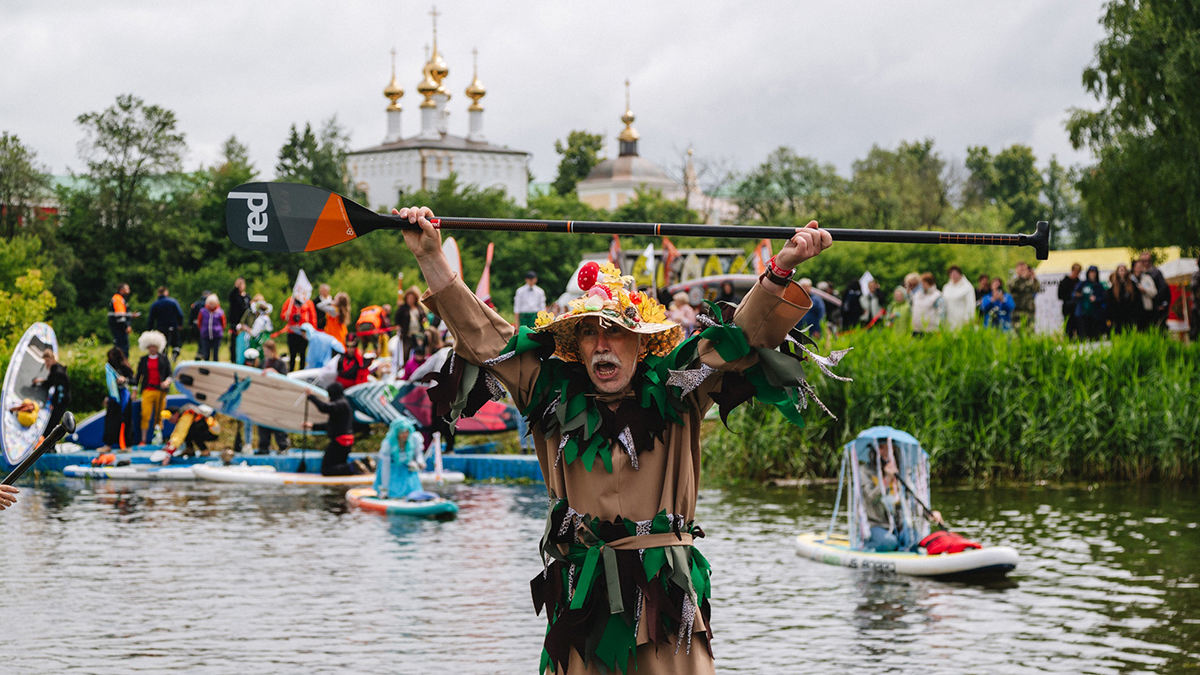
{"points": [[1024, 289]]}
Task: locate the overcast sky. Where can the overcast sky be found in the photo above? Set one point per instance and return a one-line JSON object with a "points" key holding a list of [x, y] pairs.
{"points": [[734, 79]]}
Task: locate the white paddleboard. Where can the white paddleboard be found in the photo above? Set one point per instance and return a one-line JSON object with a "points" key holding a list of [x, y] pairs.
{"points": [[130, 472], [267, 475], [994, 560], [266, 399], [26, 365]]}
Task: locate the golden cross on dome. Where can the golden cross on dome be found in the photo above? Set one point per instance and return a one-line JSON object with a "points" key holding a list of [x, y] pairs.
{"points": [[434, 13]]}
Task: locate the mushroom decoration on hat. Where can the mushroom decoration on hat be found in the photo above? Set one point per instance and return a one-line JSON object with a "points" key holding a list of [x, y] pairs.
{"points": [[606, 296]]}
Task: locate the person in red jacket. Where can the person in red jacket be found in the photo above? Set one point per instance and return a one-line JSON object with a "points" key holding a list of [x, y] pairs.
{"points": [[296, 312], [353, 368]]}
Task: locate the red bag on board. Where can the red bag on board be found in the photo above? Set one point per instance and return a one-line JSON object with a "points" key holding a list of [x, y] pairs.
{"points": [[947, 542]]}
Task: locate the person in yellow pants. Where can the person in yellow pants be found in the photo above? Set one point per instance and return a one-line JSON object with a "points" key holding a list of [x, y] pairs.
{"points": [[153, 380]]}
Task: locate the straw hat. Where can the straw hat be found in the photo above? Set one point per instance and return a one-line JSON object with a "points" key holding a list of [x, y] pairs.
{"points": [[606, 297]]}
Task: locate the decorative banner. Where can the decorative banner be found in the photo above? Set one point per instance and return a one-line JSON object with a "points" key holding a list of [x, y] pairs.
{"points": [[762, 256], [302, 289], [643, 268], [670, 255], [484, 290], [614, 252], [450, 248]]}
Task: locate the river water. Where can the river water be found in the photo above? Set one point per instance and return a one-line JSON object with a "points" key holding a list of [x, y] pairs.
{"points": [[204, 578]]}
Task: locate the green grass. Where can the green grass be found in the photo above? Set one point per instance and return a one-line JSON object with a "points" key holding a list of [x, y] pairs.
{"points": [[988, 405]]}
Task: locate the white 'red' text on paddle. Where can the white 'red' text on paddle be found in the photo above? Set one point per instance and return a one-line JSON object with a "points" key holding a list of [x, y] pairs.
{"points": [[257, 220]]}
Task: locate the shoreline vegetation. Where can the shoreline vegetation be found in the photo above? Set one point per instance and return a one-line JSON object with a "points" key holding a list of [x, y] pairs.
{"points": [[988, 406]]}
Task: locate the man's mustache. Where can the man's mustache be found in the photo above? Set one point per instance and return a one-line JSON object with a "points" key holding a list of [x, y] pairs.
{"points": [[597, 359]]}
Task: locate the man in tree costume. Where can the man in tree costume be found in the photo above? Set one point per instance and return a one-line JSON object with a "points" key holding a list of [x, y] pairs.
{"points": [[615, 396]]}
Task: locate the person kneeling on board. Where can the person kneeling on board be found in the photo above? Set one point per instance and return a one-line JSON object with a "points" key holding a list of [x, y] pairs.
{"points": [[58, 387], [882, 501], [339, 429], [398, 475]]}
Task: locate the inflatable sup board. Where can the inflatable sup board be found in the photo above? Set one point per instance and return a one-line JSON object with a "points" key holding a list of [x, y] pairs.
{"points": [[266, 399], [26, 365], [132, 472], [995, 561], [267, 475], [366, 499]]}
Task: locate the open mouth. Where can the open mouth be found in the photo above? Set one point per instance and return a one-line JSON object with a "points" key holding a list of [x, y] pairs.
{"points": [[605, 370]]}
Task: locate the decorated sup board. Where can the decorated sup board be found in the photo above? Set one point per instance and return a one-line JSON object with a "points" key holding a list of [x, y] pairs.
{"points": [[366, 499], [131, 472], [713, 267], [692, 268], [738, 266], [266, 399], [981, 562], [26, 366]]}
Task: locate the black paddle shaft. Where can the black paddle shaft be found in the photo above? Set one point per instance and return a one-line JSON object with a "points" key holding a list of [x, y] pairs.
{"points": [[286, 217], [66, 426]]}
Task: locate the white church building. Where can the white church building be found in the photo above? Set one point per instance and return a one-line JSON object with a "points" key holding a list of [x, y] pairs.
{"points": [[399, 165]]}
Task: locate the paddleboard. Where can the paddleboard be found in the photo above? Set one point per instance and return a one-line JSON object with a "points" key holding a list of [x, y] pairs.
{"points": [[90, 432], [713, 267], [738, 266], [267, 475], [26, 365], [981, 562], [366, 499], [131, 472], [266, 399], [692, 268]]}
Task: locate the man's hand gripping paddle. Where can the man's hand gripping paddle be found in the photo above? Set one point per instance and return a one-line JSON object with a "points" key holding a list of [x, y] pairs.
{"points": [[287, 217]]}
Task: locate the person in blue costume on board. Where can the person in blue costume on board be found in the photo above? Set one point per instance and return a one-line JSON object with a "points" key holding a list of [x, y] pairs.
{"points": [[321, 347], [398, 472]]}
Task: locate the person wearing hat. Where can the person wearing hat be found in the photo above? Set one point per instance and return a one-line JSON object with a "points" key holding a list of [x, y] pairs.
{"points": [[615, 420], [529, 300]]}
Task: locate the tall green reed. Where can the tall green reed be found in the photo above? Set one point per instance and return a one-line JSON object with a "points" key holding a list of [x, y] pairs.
{"points": [[990, 405]]}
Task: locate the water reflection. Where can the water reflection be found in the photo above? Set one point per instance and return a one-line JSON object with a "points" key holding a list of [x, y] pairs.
{"points": [[211, 578]]}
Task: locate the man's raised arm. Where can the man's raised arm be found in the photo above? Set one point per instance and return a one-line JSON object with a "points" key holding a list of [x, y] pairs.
{"points": [[426, 245]]}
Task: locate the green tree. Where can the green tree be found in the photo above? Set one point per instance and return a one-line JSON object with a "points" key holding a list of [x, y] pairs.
{"points": [[318, 158], [1010, 178], [788, 188], [580, 154], [904, 189], [649, 206], [1145, 183], [126, 147], [25, 304], [23, 181]]}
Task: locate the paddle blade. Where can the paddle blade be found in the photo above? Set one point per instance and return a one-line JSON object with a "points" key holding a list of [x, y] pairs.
{"points": [[288, 217]]}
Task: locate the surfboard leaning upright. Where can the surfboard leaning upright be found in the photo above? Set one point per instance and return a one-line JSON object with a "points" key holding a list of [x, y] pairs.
{"points": [[25, 366], [266, 399]]}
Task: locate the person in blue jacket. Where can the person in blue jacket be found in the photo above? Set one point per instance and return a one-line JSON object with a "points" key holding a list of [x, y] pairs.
{"points": [[398, 471], [997, 308]]}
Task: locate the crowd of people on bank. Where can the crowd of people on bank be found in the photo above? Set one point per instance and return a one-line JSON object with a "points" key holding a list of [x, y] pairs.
{"points": [[312, 330], [1134, 297]]}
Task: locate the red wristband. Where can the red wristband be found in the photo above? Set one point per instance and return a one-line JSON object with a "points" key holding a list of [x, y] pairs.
{"points": [[779, 271]]}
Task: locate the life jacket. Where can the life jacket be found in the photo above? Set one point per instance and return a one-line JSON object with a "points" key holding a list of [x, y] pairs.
{"points": [[371, 315], [946, 541], [352, 370]]}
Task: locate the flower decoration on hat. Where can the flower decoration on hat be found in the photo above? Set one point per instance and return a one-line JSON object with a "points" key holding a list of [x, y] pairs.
{"points": [[607, 296]]}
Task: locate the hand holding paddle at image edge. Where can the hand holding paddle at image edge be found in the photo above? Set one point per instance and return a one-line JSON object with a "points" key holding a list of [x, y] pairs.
{"points": [[7, 496]]}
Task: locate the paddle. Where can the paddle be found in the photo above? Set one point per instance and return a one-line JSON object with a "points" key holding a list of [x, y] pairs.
{"points": [[289, 218], [303, 467], [66, 426]]}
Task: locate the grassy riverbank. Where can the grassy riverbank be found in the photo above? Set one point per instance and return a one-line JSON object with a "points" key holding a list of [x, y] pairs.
{"points": [[988, 405]]}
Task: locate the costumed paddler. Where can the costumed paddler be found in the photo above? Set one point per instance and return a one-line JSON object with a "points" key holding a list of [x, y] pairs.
{"points": [[397, 475], [614, 396]]}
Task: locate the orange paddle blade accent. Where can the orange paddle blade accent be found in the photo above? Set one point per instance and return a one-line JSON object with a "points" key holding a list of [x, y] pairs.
{"points": [[332, 226]]}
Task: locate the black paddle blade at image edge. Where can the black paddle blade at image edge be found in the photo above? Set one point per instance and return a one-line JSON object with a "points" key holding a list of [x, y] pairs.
{"points": [[289, 217]]}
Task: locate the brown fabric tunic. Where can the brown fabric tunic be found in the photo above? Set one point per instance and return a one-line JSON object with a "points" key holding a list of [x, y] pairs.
{"points": [[666, 477]]}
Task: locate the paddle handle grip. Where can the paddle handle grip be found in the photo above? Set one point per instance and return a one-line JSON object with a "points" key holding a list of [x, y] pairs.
{"points": [[66, 426]]}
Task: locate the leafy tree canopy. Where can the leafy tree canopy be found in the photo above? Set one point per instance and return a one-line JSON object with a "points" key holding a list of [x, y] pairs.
{"points": [[1145, 183], [22, 182], [580, 154]]}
